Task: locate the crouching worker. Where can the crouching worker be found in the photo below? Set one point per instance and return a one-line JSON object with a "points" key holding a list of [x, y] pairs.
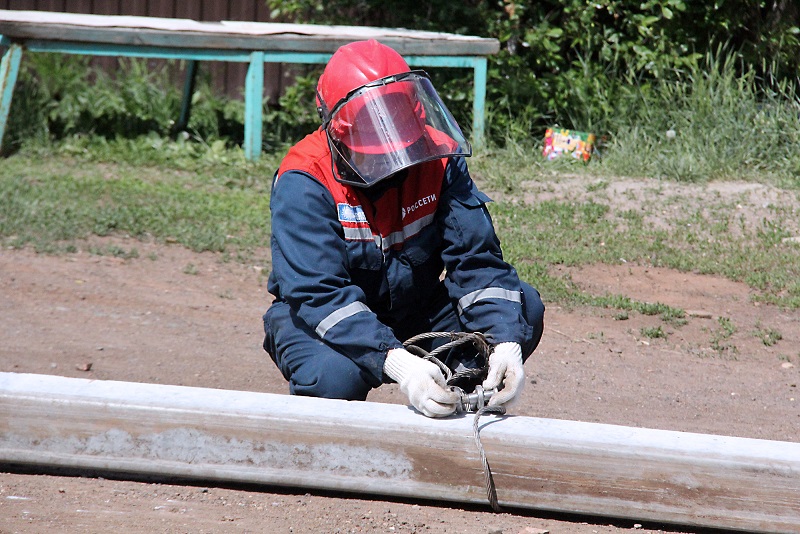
{"points": [[367, 213]]}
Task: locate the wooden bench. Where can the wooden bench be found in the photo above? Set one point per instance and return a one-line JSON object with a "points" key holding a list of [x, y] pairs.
{"points": [[254, 43]]}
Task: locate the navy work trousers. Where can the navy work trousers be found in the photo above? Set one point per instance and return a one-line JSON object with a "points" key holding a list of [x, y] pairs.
{"points": [[316, 369]]}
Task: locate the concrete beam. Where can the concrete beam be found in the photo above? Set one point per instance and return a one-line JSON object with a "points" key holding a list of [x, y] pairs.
{"points": [[382, 449]]}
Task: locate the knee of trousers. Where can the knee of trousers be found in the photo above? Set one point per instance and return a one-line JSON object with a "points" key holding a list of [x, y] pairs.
{"points": [[312, 367], [534, 309], [330, 379]]}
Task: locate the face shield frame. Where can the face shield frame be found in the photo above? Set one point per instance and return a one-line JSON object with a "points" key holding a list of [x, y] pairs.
{"points": [[387, 152]]}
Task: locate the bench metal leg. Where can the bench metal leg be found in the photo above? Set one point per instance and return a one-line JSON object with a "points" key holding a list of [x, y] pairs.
{"points": [[188, 91], [479, 102], [253, 104], [9, 67]]}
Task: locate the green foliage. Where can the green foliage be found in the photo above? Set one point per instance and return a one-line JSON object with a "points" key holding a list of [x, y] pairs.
{"points": [[62, 95], [712, 121], [653, 332], [619, 68], [576, 60], [63, 98], [296, 113], [570, 61]]}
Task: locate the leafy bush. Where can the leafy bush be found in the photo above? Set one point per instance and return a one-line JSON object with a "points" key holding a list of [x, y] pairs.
{"points": [[59, 97], [568, 61], [62, 95], [296, 114]]}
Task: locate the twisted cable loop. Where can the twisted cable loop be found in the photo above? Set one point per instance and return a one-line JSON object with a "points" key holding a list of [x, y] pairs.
{"points": [[457, 339]]}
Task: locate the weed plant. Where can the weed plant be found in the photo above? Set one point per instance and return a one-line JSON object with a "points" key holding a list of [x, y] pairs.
{"points": [[60, 98], [713, 120], [710, 123]]}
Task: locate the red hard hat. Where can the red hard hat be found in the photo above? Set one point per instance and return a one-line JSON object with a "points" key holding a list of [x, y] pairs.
{"points": [[354, 65], [380, 117]]}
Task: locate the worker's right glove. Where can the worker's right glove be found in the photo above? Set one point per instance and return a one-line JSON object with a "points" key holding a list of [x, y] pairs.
{"points": [[505, 367], [422, 381]]}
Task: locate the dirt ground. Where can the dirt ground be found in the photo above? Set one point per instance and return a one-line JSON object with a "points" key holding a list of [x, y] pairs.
{"points": [[171, 316]]}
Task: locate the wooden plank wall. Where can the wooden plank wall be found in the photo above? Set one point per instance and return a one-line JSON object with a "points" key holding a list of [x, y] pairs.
{"points": [[227, 77]]}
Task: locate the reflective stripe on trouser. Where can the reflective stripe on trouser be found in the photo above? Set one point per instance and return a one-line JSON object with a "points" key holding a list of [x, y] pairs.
{"points": [[316, 369], [489, 293], [340, 315]]}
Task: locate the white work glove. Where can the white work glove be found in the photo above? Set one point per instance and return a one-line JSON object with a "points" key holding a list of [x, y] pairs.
{"points": [[422, 381], [505, 366]]}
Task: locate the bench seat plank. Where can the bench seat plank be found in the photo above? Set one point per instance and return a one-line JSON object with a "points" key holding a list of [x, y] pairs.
{"points": [[227, 35]]}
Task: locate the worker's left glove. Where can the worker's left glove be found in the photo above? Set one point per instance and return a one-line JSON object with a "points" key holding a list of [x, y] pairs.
{"points": [[422, 381], [505, 366]]}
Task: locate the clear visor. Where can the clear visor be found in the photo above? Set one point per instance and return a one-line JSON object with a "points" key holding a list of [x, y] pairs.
{"points": [[389, 125]]}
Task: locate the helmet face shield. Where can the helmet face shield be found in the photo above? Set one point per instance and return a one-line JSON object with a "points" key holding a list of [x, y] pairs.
{"points": [[389, 125]]}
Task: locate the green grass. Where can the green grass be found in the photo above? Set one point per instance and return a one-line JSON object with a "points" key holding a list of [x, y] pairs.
{"points": [[707, 122], [726, 127], [50, 201], [55, 198], [66, 184], [539, 235]]}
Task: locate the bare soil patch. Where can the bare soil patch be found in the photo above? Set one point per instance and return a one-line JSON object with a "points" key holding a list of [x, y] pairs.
{"points": [[175, 317]]}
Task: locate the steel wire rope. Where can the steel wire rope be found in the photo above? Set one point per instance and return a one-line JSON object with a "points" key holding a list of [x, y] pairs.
{"points": [[458, 339], [491, 490]]}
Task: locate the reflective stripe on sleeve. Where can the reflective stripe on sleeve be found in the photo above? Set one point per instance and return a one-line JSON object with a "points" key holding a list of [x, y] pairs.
{"points": [[339, 315], [357, 233], [491, 293]]}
